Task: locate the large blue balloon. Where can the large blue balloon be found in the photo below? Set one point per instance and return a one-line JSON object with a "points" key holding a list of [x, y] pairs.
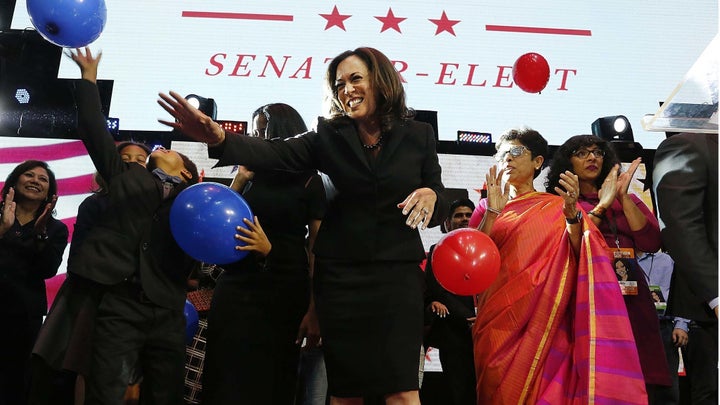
{"points": [[203, 220], [68, 23], [192, 321]]}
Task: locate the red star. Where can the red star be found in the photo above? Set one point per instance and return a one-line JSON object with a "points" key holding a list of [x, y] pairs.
{"points": [[390, 21], [444, 24], [335, 19]]}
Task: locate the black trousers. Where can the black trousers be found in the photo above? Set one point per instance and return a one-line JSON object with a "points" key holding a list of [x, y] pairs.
{"points": [[16, 342], [660, 394], [130, 332], [701, 362]]}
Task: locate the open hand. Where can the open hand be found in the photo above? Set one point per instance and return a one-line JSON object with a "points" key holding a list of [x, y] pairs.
{"points": [[419, 207], [254, 238], [189, 120], [497, 194], [87, 63]]}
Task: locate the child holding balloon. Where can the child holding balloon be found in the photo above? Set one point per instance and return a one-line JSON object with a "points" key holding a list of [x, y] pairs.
{"points": [[133, 259]]}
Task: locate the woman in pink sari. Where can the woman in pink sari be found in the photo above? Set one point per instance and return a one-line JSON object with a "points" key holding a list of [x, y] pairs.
{"points": [[552, 328]]}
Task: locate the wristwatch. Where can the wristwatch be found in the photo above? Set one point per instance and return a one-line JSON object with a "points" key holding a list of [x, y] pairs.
{"points": [[575, 220]]}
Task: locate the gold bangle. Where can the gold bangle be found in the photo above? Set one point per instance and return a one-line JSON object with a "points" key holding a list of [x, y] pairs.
{"points": [[494, 211]]}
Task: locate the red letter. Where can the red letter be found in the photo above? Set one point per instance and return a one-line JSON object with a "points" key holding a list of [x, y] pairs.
{"points": [[564, 77], [305, 67], [470, 77], [218, 64], [242, 65], [444, 73], [501, 76], [403, 67], [271, 61]]}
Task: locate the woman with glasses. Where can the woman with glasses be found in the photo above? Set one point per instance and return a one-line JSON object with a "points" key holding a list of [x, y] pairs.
{"points": [[625, 222], [547, 329]]}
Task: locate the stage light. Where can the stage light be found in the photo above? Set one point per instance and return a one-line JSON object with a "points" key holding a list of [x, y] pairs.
{"points": [[206, 105], [22, 96], [613, 128], [237, 127], [476, 137], [113, 126]]}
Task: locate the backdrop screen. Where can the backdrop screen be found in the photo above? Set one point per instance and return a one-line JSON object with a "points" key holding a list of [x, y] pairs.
{"points": [[455, 57]]}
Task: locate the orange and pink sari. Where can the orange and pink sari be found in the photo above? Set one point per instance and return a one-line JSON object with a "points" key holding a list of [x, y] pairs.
{"points": [[553, 329]]}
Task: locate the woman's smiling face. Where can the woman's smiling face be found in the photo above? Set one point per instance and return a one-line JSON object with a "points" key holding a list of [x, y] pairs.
{"points": [[354, 89]]}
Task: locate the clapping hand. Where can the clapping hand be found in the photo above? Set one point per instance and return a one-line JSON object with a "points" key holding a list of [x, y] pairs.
{"points": [[624, 179], [497, 195], [41, 222], [8, 213]]}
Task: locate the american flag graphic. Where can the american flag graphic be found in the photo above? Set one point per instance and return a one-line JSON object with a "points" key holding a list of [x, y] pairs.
{"points": [[73, 169]]}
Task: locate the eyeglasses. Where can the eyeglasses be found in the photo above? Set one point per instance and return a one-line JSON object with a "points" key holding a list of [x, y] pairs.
{"points": [[515, 151], [583, 153]]}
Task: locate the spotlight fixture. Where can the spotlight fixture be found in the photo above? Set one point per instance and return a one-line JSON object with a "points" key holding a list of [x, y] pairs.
{"points": [[206, 105], [113, 126], [613, 128], [471, 136], [22, 95]]}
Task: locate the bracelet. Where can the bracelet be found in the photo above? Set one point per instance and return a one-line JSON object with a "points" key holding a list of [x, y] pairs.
{"points": [[598, 210], [596, 215], [494, 211]]}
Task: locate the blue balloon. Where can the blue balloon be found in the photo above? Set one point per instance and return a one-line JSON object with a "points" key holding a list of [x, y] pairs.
{"points": [[203, 220], [192, 321], [68, 23]]}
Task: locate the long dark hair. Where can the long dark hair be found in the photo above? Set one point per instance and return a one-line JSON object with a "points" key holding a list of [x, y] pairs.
{"points": [[561, 159], [283, 121], [383, 77], [14, 176]]}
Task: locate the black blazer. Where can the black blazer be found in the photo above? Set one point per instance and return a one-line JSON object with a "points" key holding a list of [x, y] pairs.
{"points": [[132, 236], [362, 222], [25, 263], [685, 179]]}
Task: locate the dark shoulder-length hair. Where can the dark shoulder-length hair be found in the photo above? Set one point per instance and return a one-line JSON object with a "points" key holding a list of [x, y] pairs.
{"points": [[383, 77], [561, 159], [283, 121], [14, 176], [531, 139]]}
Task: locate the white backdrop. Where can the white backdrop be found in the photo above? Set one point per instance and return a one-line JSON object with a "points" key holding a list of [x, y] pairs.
{"points": [[606, 58]]}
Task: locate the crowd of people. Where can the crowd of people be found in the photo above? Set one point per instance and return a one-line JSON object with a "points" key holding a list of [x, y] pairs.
{"points": [[334, 265]]}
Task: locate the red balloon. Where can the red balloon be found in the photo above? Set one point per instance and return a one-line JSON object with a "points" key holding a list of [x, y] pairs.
{"points": [[531, 72], [466, 261]]}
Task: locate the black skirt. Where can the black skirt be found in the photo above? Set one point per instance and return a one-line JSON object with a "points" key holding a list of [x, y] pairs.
{"points": [[371, 320]]}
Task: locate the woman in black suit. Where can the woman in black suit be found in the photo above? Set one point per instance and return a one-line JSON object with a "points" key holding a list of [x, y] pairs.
{"points": [[368, 283], [32, 243]]}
